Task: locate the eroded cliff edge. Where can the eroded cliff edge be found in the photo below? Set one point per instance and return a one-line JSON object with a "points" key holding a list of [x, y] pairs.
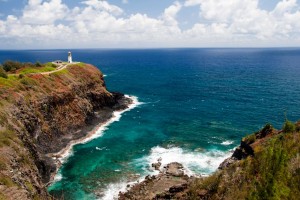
{"points": [[40, 115]]}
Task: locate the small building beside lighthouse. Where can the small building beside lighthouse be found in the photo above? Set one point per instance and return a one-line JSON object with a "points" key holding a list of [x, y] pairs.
{"points": [[70, 57]]}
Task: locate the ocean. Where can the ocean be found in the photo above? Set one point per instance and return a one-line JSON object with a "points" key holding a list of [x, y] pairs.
{"points": [[193, 106]]}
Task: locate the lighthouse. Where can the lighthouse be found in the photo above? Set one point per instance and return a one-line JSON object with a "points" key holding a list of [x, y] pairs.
{"points": [[69, 57]]}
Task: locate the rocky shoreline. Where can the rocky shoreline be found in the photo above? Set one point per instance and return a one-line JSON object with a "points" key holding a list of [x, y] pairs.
{"points": [[43, 115], [170, 181], [99, 119]]}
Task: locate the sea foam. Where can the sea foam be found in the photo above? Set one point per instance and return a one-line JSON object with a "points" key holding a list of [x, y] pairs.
{"points": [[227, 142], [194, 163]]}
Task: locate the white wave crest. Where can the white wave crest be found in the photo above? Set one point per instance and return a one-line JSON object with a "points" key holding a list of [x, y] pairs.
{"points": [[227, 142], [57, 177], [194, 163], [112, 191]]}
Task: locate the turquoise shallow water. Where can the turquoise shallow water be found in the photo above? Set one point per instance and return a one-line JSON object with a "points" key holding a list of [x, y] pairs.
{"points": [[197, 104]]}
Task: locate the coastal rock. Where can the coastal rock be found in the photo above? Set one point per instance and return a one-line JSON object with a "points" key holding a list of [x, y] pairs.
{"points": [[165, 185], [247, 144], [42, 116], [157, 165], [174, 169], [227, 162]]}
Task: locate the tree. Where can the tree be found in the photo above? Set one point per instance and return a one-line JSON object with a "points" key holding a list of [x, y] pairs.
{"points": [[11, 65]]}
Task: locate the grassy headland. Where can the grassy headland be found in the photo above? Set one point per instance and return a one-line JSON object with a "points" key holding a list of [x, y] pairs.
{"points": [[265, 166], [36, 110]]}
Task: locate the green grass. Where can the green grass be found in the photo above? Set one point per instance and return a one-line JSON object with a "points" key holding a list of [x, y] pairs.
{"points": [[81, 64], [60, 72], [289, 127], [6, 82], [49, 64], [13, 77], [29, 186], [32, 70], [6, 137], [28, 81], [249, 139], [6, 181], [10, 80]]}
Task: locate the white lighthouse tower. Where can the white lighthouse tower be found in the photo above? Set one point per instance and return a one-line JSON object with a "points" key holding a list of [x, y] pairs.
{"points": [[70, 57]]}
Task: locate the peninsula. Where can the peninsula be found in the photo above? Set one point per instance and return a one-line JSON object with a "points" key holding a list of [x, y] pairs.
{"points": [[43, 108]]}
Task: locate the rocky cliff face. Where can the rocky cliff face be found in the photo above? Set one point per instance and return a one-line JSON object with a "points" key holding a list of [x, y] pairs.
{"points": [[40, 115]]}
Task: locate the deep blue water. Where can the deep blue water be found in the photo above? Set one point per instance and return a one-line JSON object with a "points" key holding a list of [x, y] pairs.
{"points": [[198, 104]]}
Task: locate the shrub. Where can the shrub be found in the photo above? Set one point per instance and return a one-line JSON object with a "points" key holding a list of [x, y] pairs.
{"points": [[2, 72], [12, 65], [268, 128], [38, 64], [28, 81], [289, 127], [28, 64]]}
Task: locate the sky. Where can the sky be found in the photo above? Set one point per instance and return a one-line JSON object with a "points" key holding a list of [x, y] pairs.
{"points": [[48, 24]]}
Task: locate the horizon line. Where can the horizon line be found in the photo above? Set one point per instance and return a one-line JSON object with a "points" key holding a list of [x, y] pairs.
{"points": [[147, 48]]}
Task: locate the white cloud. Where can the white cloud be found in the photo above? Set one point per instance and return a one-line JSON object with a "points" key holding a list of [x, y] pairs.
{"points": [[192, 2], [285, 6], [96, 23], [124, 1], [243, 19], [104, 6], [171, 12], [44, 12]]}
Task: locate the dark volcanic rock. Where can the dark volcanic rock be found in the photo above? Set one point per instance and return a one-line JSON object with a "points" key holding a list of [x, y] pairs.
{"points": [[246, 147]]}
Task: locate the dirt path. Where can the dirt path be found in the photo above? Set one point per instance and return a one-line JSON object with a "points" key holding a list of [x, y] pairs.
{"points": [[60, 67]]}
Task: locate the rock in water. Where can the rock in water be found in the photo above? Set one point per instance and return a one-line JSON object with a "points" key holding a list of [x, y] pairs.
{"points": [[165, 185]]}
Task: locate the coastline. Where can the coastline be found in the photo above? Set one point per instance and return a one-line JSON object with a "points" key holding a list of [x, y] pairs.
{"points": [[158, 160], [171, 176], [60, 157]]}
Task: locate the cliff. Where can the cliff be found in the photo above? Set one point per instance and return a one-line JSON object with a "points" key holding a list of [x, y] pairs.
{"points": [[40, 114], [266, 165]]}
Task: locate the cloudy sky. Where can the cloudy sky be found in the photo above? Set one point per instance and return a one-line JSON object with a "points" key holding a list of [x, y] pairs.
{"points": [[44, 24]]}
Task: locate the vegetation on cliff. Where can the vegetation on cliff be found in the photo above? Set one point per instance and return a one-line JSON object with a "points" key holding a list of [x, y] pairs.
{"points": [[14, 67], [265, 166], [40, 114]]}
